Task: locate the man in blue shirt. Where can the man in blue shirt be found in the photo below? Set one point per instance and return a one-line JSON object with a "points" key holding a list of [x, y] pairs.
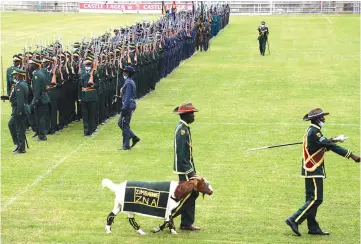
{"points": [[128, 92]]}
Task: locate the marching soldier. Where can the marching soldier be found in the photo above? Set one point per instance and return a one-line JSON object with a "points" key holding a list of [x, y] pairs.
{"points": [[263, 33], [315, 146], [184, 164], [88, 96], [128, 106], [40, 102], [18, 99]]}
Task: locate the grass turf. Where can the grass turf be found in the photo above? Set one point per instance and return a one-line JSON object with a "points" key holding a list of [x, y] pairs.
{"points": [[52, 194]]}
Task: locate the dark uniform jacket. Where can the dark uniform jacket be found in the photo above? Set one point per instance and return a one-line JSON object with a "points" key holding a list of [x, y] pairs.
{"points": [[39, 88], [18, 98], [10, 79], [129, 95], [315, 146], [183, 157], [263, 32], [87, 93]]}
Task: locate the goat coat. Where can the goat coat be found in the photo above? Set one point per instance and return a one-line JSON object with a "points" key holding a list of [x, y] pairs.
{"points": [[153, 199]]}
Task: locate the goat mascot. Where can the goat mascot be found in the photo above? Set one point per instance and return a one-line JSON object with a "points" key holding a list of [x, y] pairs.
{"points": [[154, 199]]}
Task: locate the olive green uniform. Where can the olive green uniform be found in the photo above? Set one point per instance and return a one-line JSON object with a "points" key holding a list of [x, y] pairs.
{"points": [[89, 98], [18, 99], [184, 167], [315, 146], [40, 103]]}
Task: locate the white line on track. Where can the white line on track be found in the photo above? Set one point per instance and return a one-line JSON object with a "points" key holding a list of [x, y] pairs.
{"points": [[50, 170]]}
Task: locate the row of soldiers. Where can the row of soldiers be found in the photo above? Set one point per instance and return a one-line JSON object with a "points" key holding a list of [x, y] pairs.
{"points": [[85, 83]]}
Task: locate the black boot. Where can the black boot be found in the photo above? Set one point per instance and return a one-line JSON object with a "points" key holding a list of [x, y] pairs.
{"points": [[135, 140], [17, 148], [21, 148]]}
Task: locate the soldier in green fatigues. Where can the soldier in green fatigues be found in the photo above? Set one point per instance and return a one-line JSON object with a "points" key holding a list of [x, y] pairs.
{"points": [[18, 99], [9, 73], [41, 100], [88, 96], [184, 164], [315, 145], [50, 78]]}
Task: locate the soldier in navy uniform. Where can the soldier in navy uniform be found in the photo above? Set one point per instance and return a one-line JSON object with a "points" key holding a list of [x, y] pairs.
{"points": [[315, 145], [263, 33], [184, 164], [128, 106]]}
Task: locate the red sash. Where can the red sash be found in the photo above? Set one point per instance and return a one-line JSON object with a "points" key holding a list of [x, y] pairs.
{"points": [[311, 162]]}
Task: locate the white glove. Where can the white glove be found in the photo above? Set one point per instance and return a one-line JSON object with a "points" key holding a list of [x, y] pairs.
{"points": [[340, 138]]}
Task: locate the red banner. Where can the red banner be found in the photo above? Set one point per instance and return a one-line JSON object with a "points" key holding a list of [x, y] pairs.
{"points": [[109, 6], [129, 8]]}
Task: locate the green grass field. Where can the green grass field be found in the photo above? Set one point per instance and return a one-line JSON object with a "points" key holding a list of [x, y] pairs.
{"points": [[53, 193]]}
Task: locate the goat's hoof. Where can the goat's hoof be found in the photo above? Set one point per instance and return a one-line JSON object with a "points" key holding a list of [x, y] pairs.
{"points": [[108, 229], [172, 231], [141, 232]]}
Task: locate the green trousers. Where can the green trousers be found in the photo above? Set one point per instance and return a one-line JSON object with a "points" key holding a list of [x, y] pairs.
{"points": [[42, 120], [89, 113], [314, 198], [17, 130]]}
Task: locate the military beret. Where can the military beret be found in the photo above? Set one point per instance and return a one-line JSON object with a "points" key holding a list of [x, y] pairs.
{"points": [[76, 44], [34, 61], [263, 22], [18, 71], [132, 45], [76, 53], [29, 54]]}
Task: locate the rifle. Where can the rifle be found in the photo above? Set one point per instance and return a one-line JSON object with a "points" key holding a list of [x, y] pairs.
{"points": [[268, 47], [2, 77]]}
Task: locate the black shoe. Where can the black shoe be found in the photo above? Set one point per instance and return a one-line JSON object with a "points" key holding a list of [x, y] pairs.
{"points": [[21, 151], [42, 138], [124, 148], [293, 225], [17, 148], [35, 135], [318, 232], [135, 140]]}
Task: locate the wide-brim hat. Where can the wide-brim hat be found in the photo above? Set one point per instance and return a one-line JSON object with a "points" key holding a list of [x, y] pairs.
{"points": [[88, 60], [48, 59], [185, 108], [19, 71], [16, 58], [35, 61], [314, 113]]}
